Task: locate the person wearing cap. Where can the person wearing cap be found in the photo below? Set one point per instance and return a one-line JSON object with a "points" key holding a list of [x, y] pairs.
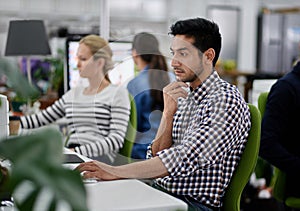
{"points": [[146, 88]]}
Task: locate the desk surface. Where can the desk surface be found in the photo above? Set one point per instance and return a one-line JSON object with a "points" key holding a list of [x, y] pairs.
{"points": [[129, 194]]}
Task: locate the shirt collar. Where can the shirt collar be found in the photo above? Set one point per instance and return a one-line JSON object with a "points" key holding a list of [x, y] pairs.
{"points": [[146, 68], [205, 87]]}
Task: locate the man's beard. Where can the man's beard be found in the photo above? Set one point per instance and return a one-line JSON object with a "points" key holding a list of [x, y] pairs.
{"points": [[190, 79], [195, 76]]}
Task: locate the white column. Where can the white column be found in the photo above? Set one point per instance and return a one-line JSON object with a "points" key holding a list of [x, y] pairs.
{"points": [[248, 36], [104, 19]]}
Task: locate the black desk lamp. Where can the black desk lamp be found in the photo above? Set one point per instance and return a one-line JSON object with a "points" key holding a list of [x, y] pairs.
{"points": [[27, 38]]}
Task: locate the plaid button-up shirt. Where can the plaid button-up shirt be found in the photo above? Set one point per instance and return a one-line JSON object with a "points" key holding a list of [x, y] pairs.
{"points": [[210, 129]]}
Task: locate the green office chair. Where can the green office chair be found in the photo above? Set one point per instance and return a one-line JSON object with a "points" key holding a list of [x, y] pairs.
{"points": [[262, 101], [263, 168], [241, 176], [131, 130], [279, 178]]}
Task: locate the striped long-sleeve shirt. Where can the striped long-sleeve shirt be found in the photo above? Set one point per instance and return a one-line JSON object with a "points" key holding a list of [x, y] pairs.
{"points": [[97, 123]]}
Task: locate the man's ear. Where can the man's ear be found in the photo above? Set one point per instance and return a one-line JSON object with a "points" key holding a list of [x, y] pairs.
{"points": [[209, 55]]}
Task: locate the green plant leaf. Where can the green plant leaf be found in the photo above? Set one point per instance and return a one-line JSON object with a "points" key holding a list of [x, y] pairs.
{"points": [[17, 81], [28, 203], [38, 158], [44, 144], [57, 65]]}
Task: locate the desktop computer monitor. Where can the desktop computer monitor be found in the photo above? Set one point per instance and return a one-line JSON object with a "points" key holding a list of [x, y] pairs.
{"points": [[122, 72]]}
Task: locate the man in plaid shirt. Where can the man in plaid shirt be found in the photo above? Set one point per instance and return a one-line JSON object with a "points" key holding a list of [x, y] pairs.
{"points": [[204, 126]]}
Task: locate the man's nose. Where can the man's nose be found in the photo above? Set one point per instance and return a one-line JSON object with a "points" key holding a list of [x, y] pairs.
{"points": [[175, 62]]}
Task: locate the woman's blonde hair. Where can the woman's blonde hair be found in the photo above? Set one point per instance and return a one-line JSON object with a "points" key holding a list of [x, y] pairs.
{"points": [[100, 49]]}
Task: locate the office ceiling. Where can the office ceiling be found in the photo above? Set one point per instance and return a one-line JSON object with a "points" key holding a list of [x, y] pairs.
{"points": [[84, 15]]}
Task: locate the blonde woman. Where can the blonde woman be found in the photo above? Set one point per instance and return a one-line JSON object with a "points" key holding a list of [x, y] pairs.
{"points": [[98, 114]]}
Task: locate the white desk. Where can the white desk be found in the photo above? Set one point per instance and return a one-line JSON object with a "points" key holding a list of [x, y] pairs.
{"points": [[130, 194], [118, 195]]}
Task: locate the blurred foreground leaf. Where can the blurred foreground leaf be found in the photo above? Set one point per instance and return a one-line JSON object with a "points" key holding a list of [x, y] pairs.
{"points": [[38, 158], [18, 82]]}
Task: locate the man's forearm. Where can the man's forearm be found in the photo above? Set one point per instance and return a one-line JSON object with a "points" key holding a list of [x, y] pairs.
{"points": [[147, 169], [163, 139], [172, 93]]}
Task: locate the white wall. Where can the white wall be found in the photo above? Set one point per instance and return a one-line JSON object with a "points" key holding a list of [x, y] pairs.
{"points": [[155, 16], [248, 34], [247, 39]]}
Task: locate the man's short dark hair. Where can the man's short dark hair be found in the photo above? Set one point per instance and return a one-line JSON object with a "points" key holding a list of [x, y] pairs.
{"points": [[205, 33]]}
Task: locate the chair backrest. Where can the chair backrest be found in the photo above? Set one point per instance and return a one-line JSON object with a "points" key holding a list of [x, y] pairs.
{"points": [[131, 130], [278, 178], [262, 101], [278, 181], [263, 168], [278, 184], [241, 176]]}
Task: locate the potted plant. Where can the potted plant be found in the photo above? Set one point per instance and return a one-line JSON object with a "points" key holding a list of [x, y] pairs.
{"points": [[49, 77], [37, 159], [23, 92], [57, 71]]}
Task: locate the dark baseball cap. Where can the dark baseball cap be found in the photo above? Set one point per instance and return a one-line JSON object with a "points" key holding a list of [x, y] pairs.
{"points": [[145, 43]]}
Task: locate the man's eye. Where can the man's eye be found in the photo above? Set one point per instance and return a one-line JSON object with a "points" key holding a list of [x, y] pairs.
{"points": [[183, 53], [172, 53]]}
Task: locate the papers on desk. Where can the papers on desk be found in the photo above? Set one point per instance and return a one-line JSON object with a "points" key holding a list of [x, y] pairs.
{"points": [[72, 159], [90, 181]]}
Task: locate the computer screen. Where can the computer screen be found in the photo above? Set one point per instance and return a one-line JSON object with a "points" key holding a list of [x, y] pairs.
{"points": [[259, 86], [71, 76], [122, 72]]}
